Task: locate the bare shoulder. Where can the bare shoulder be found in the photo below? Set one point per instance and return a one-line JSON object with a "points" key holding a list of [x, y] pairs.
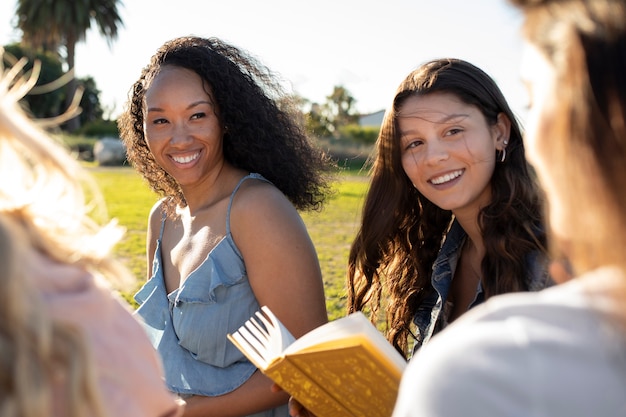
{"points": [[156, 214], [257, 198], [259, 210]]}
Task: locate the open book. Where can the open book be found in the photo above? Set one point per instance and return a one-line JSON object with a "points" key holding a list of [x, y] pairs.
{"points": [[342, 368]]}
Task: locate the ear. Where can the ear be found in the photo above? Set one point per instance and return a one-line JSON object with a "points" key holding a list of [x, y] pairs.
{"points": [[501, 131]]}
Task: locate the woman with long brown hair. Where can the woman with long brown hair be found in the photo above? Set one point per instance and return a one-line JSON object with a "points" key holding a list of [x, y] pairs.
{"points": [[452, 215]]}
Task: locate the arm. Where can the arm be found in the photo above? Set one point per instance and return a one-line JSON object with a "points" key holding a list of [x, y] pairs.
{"points": [[254, 395], [284, 274], [280, 257]]}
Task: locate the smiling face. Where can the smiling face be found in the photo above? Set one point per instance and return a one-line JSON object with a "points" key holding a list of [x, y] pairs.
{"points": [[449, 150], [181, 125]]}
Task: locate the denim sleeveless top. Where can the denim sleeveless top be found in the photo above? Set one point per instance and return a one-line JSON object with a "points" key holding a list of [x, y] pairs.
{"points": [[188, 327], [429, 318]]}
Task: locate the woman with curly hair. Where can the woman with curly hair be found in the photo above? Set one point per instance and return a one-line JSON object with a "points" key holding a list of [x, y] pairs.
{"points": [[452, 216], [61, 327], [210, 129]]}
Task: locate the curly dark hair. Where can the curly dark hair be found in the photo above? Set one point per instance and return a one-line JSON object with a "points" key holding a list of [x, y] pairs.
{"points": [[263, 132], [401, 231]]}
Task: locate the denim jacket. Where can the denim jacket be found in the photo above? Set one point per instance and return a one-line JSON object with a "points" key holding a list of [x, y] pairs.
{"points": [[429, 318]]}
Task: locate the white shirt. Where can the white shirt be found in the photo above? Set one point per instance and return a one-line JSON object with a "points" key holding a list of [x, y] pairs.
{"points": [[552, 353]]}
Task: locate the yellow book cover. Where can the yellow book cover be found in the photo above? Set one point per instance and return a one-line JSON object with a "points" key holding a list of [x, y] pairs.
{"points": [[344, 368]]}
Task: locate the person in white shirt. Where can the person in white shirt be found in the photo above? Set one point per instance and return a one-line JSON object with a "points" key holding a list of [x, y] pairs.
{"points": [[561, 351]]}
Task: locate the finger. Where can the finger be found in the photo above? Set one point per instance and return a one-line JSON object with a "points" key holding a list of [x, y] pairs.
{"points": [[295, 408]]}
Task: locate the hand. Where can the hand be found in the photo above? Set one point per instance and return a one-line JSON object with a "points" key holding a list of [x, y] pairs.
{"points": [[295, 408]]}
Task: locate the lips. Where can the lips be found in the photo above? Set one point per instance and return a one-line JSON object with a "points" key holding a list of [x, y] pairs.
{"points": [[186, 159], [446, 177]]}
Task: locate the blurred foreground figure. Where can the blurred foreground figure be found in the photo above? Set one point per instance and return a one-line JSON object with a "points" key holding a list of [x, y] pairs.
{"points": [[68, 347], [562, 351]]}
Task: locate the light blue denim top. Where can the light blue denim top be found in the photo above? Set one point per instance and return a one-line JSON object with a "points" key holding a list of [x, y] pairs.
{"points": [[188, 327], [428, 317]]}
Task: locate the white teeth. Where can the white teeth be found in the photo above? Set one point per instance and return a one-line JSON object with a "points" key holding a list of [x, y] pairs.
{"points": [[447, 177], [185, 159]]}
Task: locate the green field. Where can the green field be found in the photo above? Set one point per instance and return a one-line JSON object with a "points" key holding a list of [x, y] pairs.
{"points": [[129, 200]]}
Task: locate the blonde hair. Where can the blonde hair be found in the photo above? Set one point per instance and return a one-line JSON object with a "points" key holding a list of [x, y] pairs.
{"points": [[585, 134], [585, 40], [43, 210]]}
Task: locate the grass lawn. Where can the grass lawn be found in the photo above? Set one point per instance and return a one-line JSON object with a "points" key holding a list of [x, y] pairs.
{"points": [[129, 199]]}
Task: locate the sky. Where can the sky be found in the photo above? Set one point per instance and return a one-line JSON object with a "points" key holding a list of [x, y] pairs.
{"points": [[366, 46]]}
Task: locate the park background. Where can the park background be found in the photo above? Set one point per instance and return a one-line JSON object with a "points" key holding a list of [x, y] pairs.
{"points": [[367, 46], [329, 52]]}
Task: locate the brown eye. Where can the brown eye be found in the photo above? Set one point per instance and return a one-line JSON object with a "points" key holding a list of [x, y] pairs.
{"points": [[413, 144]]}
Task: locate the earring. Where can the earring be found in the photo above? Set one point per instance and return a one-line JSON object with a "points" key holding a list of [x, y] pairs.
{"points": [[503, 157]]}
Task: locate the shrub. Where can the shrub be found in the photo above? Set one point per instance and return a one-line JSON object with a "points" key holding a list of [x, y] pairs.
{"points": [[100, 128], [360, 134], [81, 146]]}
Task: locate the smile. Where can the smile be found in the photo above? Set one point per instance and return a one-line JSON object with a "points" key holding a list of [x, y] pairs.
{"points": [[186, 159], [446, 178]]}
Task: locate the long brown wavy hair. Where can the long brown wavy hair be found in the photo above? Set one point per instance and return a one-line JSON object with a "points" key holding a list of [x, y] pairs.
{"points": [[401, 232]]}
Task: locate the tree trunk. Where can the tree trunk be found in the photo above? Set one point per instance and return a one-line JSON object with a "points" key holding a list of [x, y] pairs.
{"points": [[73, 124]]}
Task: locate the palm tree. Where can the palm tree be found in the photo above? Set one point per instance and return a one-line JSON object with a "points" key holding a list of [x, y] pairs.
{"points": [[51, 24]]}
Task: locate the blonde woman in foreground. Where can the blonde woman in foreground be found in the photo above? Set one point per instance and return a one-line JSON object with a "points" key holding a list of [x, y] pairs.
{"points": [[562, 351], [68, 347]]}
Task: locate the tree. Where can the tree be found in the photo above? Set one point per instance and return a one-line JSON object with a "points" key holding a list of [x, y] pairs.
{"points": [[339, 110], [342, 109], [40, 104], [90, 102], [317, 121], [51, 24]]}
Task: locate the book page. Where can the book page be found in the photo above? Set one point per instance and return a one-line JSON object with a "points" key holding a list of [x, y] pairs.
{"points": [[262, 338], [351, 330], [279, 336]]}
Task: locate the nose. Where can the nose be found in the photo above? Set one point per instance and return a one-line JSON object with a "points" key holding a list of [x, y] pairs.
{"points": [[436, 151], [181, 135]]}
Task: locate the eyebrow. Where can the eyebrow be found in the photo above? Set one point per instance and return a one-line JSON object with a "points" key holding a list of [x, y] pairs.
{"points": [[453, 116], [445, 119], [192, 105]]}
